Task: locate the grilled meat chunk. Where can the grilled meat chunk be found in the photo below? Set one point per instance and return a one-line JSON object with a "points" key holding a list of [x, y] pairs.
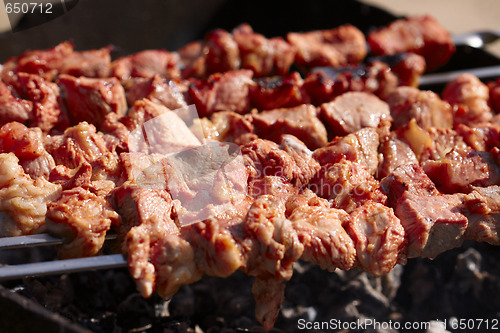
{"points": [[422, 35], [146, 64], [13, 108], [265, 57], [227, 91], [62, 59], [78, 144], [23, 201], [378, 236], [425, 107], [360, 146], [90, 99], [470, 100], [27, 145], [347, 185], [301, 121], [336, 47], [278, 92], [157, 89], [353, 111], [82, 218], [481, 207]]}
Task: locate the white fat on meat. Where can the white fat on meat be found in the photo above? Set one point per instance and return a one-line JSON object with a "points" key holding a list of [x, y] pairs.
{"points": [[23, 201]]}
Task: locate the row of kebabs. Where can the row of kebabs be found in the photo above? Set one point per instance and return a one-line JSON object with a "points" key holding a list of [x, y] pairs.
{"points": [[349, 165]]}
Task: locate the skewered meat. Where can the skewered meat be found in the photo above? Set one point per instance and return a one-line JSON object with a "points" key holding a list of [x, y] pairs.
{"points": [[425, 107], [469, 97], [254, 184], [228, 91], [23, 203], [90, 100], [353, 111], [360, 147], [62, 59], [419, 34], [13, 108], [336, 47], [278, 92], [83, 219], [265, 57], [156, 89], [301, 121], [146, 64]]}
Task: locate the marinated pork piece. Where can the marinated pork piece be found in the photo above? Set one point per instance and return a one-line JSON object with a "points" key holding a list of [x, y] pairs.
{"points": [[23, 201], [78, 144], [13, 108], [433, 224], [394, 152], [482, 137], [156, 129], [360, 147], [482, 209], [434, 143], [272, 247], [409, 178], [91, 63], [157, 89], [221, 52], [278, 92], [303, 198], [27, 145], [409, 69], [113, 127], [494, 91], [227, 126], [44, 62], [347, 185], [469, 98], [147, 218], [46, 112], [62, 59], [378, 236], [425, 107], [336, 47], [266, 158], [353, 111], [146, 64], [274, 186], [422, 35], [227, 91], [301, 121], [265, 57], [91, 99], [325, 241], [324, 84], [192, 60], [71, 178], [82, 219], [459, 174], [302, 157]]}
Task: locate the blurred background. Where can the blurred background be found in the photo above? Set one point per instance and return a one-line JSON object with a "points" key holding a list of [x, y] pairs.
{"points": [[136, 25]]}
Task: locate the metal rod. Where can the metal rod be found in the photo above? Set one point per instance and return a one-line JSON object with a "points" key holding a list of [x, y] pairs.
{"points": [[443, 78], [36, 240], [62, 266]]}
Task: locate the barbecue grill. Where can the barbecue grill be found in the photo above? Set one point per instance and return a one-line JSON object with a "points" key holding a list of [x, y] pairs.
{"points": [[75, 298]]}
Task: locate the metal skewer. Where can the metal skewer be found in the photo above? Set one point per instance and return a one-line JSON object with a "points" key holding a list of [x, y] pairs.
{"points": [[36, 240], [62, 266], [443, 78]]}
